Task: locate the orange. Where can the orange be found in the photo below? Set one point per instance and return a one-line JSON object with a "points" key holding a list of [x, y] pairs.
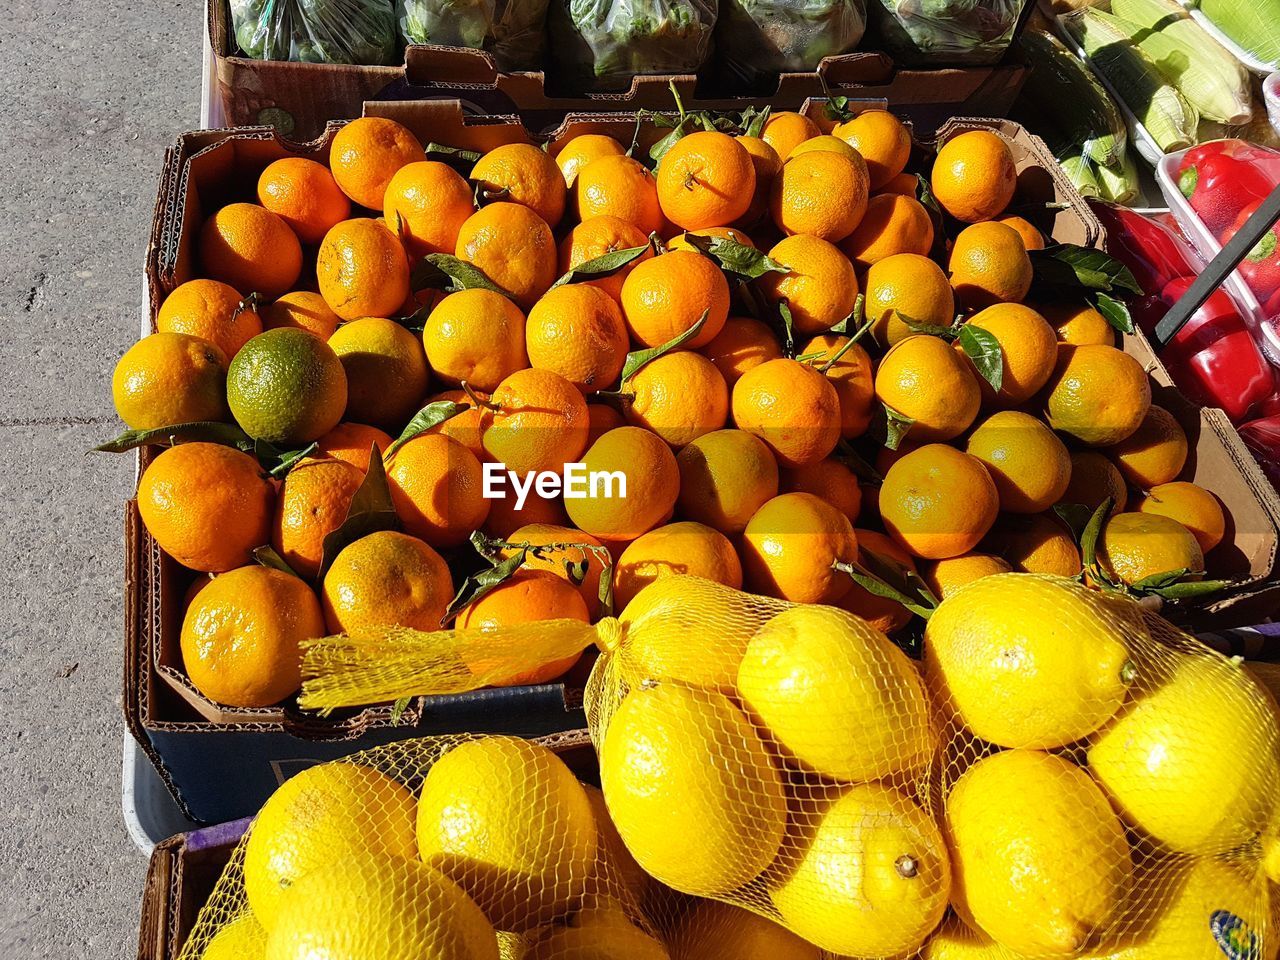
{"points": [[790, 544], [524, 174], [313, 502], [169, 378], [287, 387], [882, 140], [785, 130], [583, 149], [619, 187], [884, 614], [1028, 348], [467, 426], [386, 370], [686, 548], [477, 336], [1099, 395], [1029, 464], [974, 177], [513, 247], [706, 179], [602, 418], [921, 377], [766, 163], [362, 270], [1194, 507], [681, 240], [304, 195], [427, 203], [652, 482], [989, 265], [791, 407], [679, 396], [241, 637], [528, 597], [665, 296], [1032, 238], [538, 422], [893, 224], [212, 311], [302, 309], [1134, 546], [554, 561], [828, 480], [946, 577], [850, 375], [938, 502], [906, 184], [1078, 323], [386, 579], [742, 343], [250, 248], [367, 153], [206, 505], [596, 237], [907, 288], [1039, 543], [1093, 479], [353, 442], [725, 477], [437, 488], [819, 287], [578, 332], [820, 193], [821, 142], [504, 516], [1153, 454]]}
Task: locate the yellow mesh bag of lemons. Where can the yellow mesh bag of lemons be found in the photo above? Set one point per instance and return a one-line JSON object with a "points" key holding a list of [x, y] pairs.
{"points": [[1064, 775]]}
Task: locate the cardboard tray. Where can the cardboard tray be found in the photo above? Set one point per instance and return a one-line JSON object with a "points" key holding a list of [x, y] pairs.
{"points": [[221, 762], [300, 98], [183, 869]]}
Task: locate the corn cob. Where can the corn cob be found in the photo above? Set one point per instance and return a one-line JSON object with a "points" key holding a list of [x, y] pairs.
{"points": [[1080, 172], [1155, 102], [1253, 24], [1210, 78], [1119, 182]]}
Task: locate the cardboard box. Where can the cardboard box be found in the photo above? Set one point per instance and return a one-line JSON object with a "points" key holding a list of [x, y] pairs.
{"points": [[183, 870], [300, 98]]}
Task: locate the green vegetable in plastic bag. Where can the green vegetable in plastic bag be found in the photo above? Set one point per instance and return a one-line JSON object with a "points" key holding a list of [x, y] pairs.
{"points": [[316, 31], [759, 37], [511, 30], [939, 33], [607, 42]]}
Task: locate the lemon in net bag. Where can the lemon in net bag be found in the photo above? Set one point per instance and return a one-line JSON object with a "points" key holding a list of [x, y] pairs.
{"points": [[1058, 778]]}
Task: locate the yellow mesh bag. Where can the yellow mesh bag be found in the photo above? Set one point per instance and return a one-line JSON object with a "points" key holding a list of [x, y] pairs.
{"points": [[1065, 775]]}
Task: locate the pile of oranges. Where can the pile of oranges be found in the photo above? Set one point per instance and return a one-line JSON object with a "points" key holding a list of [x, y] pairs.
{"points": [[772, 338]]}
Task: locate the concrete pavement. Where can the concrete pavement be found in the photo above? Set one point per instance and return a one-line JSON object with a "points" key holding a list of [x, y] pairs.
{"points": [[92, 95]]}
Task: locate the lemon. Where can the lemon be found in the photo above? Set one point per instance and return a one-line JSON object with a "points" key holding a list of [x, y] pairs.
{"points": [[1031, 661], [508, 822], [512, 946], [836, 693], [866, 874], [286, 386], [955, 941], [1041, 861], [334, 813], [241, 939], [602, 934], [691, 788], [617, 874], [1193, 760], [720, 931], [392, 909], [689, 629]]}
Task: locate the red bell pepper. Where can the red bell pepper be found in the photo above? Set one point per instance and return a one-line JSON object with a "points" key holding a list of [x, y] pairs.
{"points": [[1260, 268], [1219, 186], [1240, 149], [1150, 250], [1214, 358], [1262, 437]]}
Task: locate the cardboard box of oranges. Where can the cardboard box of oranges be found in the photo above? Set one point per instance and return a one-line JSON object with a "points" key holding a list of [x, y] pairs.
{"points": [[224, 760]]}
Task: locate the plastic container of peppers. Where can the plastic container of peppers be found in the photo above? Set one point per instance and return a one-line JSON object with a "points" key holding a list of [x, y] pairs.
{"points": [[1214, 359], [1212, 189]]}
